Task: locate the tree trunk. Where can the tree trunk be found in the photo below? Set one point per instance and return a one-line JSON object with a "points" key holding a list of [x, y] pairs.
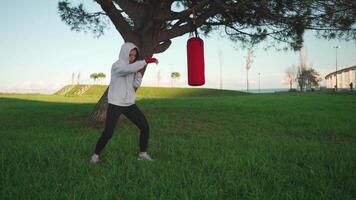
{"points": [[302, 85], [99, 112]]}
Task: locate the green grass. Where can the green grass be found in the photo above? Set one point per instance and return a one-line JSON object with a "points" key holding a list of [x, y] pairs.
{"points": [[224, 146]]}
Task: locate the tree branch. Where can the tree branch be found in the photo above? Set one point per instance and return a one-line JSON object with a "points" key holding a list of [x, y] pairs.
{"points": [[78, 19], [163, 46], [181, 30], [132, 8], [183, 14], [179, 22], [118, 20], [135, 11]]}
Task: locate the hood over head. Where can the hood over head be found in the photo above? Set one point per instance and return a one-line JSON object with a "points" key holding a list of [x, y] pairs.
{"points": [[125, 52]]}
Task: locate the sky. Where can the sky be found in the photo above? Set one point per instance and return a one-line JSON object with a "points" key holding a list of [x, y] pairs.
{"points": [[39, 53]]}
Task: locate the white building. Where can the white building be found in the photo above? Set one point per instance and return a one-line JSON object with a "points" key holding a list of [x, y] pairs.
{"points": [[344, 78]]}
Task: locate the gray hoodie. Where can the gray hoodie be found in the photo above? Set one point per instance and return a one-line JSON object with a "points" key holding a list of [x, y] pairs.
{"points": [[125, 78]]}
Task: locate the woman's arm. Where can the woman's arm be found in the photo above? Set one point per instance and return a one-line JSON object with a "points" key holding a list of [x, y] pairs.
{"points": [[120, 69]]}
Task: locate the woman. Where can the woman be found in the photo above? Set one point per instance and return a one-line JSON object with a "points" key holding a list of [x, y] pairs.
{"points": [[126, 77]]}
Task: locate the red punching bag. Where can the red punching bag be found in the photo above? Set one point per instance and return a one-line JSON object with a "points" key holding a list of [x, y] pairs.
{"points": [[195, 57]]}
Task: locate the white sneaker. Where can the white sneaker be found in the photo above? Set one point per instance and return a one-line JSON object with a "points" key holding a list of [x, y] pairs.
{"points": [[144, 156], [94, 159]]}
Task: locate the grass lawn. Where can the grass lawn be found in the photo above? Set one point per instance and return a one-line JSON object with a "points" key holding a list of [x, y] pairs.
{"points": [[207, 145]]}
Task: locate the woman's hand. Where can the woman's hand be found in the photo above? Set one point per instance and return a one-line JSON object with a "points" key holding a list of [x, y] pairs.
{"points": [[151, 60]]}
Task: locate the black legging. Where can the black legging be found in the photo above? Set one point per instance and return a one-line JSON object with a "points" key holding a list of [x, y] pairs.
{"points": [[134, 114]]}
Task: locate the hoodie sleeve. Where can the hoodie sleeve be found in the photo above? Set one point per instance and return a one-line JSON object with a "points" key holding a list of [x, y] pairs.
{"points": [[123, 70], [137, 80]]}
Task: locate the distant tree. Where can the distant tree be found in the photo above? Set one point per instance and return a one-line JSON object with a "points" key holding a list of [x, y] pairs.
{"points": [[78, 78], [158, 77], [301, 76], [174, 77], [73, 78], [101, 76], [249, 61], [220, 56], [291, 74], [94, 76], [308, 78], [313, 79]]}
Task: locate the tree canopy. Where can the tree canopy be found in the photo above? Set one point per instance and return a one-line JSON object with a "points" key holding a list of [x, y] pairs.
{"points": [[154, 23]]}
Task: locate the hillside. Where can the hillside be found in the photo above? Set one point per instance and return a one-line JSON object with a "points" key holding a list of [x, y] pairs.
{"points": [[145, 92]]}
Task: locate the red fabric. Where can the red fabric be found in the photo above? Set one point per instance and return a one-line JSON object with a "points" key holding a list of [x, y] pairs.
{"points": [[151, 60], [195, 58]]}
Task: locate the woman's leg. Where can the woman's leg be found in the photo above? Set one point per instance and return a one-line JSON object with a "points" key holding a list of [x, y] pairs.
{"points": [[134, 114], [112, 115]]}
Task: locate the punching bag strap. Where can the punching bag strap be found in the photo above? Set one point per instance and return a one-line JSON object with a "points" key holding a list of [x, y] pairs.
{"points": [[195, 29], [194, 18]]}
